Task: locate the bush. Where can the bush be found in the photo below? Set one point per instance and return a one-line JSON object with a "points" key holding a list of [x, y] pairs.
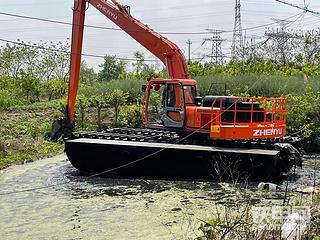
{"points": [[303, 118], [8, 100], [130, 116], [130, 86]]}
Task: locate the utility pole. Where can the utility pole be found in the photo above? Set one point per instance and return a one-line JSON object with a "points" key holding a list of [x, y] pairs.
{"points": [[215, 55], [252, 48], [237, 40], [299, 7], [189, 50]]}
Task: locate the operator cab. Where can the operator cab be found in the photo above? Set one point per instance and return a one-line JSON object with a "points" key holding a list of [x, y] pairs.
{"points": [[166, 101]]}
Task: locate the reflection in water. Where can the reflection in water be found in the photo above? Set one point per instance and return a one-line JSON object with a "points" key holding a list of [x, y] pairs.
{"points": [[80, 207]]}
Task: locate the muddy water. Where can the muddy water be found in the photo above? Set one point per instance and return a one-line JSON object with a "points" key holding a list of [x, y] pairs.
{"points": [[66, 205]]}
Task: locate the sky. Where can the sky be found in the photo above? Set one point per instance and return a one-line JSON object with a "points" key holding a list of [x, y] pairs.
{"points": [[163, 16]]}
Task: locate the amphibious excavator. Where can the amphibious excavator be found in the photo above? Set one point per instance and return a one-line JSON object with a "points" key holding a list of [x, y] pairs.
{"points": [[188, 136]]}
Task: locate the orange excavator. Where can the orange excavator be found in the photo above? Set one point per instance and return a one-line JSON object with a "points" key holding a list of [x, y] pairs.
{"points": [[189, 136]]}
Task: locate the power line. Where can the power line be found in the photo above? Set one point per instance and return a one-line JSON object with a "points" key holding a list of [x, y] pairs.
{"points": [[118, 29], [91, 26], [62, 51], [82, 54], [305, 8]]}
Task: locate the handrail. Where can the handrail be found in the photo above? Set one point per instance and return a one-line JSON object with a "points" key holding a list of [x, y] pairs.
{"points": [[275, 115]]}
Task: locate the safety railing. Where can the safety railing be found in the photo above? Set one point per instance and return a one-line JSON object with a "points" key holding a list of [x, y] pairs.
{"points": [[239, 111]]}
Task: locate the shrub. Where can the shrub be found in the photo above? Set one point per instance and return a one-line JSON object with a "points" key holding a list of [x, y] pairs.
{"points": [[8, 100], [303, 118], [98, 102], [130, 116], [82, 104], [116, 99]]}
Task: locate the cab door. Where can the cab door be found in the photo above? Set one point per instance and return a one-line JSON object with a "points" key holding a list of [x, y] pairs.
{"points": [[174, 111]]}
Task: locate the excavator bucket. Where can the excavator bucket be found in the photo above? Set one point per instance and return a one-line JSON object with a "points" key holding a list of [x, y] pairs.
{"points": [[156, 154]]}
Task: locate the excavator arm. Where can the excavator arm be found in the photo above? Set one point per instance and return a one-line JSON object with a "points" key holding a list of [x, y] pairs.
{"points": [[168, 52]]}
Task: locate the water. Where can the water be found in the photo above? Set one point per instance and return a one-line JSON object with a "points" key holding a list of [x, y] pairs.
{"points": [[69, 206]]}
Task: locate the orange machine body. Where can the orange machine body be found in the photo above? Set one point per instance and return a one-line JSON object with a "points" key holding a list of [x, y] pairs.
{"points": [[262, 118]]}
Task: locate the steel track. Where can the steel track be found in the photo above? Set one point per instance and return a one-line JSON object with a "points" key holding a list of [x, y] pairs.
{"points": [[166, 136]]}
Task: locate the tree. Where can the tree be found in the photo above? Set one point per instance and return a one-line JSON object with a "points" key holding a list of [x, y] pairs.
{"points": [[139, 65], [115, 100], [30, 85], [17, 58], [87, 74], [53, 61], [130, 116], [311, 47], [111, 68], [98, 102], [81, 105], [42, 60], [56, 88]]}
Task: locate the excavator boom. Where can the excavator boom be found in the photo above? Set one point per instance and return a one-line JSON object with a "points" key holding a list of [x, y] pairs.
{"points": [[167, 51]]}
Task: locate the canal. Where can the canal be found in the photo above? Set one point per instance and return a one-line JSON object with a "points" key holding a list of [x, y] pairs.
{"points": [[49, 199]]}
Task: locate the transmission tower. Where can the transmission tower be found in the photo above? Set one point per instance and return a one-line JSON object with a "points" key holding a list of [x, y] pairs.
{"points": [[237, 41], [215, 54], [280, 38]]}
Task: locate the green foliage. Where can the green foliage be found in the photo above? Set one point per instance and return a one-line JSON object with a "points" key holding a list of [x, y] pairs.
{"points": [[87, 74], [155, 100], [130, 116], [209, 229], [29, 153], [34, 72], [111, 68], [23, 136], [303, 118], [131, 86], [257, 84], [39, 106], [8, 100], [53, 61], [44, 61], [31, 86], [17, 58], [55, 88], [139, 65], [196, 69], [82, 104], [263, 67], [98, 102], [116, 99]]}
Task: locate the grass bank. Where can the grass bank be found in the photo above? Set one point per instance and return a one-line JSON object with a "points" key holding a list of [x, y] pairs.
{"points": [[23, 135]]}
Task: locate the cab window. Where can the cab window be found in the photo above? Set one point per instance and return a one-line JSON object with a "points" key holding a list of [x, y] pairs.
{"points": [[189, 94]]}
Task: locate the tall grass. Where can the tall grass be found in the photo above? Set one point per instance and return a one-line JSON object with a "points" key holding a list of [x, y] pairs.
{"points": [[256, 84], [253, 84]]}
